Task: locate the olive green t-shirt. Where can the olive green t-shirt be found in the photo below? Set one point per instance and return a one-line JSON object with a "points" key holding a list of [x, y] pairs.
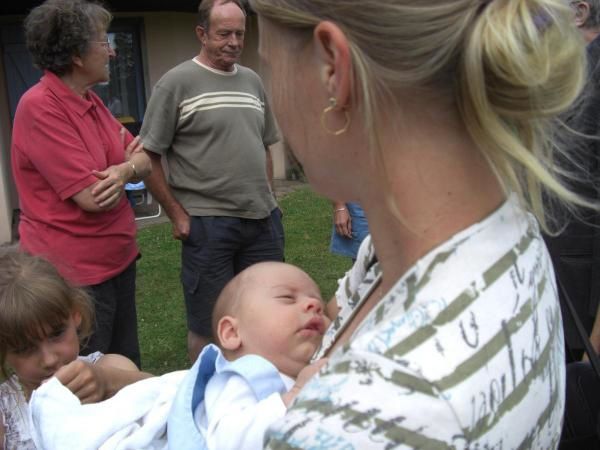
{"points": [[213, 127]]}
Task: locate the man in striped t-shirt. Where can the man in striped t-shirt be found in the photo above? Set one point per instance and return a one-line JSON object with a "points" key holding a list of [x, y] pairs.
{"points": [[210, 119]]}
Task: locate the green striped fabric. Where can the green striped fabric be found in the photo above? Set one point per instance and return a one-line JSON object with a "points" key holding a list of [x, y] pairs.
{"points": [[465, 352]]}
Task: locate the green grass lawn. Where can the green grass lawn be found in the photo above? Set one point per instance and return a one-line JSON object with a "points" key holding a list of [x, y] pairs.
{"points": [[161, 315]]}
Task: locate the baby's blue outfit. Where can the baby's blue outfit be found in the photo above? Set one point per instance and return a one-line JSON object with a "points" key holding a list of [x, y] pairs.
{"points": [[262, 377]]}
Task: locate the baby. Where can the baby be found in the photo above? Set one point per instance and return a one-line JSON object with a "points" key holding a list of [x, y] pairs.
{"points": [[268, 322]]}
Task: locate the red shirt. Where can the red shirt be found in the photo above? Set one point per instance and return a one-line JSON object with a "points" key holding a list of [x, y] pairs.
{"points": [[58, 139]]}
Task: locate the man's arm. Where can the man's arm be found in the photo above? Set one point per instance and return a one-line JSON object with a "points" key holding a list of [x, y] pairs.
{"points": [[270, 168], [156, 183]]}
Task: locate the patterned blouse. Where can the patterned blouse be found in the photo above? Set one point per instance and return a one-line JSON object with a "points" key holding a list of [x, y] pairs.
{"points": [[464, 352], [14, 411]]}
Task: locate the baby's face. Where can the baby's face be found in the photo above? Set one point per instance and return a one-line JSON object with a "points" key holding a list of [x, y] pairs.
{"points": [[281, 316]]}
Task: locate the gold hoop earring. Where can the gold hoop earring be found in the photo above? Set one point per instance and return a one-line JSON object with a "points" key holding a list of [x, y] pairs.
{"points": [[331, 107]]}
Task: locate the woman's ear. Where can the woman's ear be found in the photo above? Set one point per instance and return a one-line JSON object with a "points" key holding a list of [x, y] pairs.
{"points": [[77, 61], [333, 52], [228, 334], [582, 13]]}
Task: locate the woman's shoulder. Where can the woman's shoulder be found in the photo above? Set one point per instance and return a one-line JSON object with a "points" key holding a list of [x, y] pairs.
{"points": [[450, 327], [473, 267], [38, 100]]}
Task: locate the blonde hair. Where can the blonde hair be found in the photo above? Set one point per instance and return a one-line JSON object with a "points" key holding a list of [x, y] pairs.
{"points": [[511, 66], [34, 300]]}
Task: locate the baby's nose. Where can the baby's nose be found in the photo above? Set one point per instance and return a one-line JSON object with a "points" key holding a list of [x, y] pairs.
{"points": [[314, 305]]}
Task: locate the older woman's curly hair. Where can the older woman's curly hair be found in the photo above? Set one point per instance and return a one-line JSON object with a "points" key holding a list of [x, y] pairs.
{"points": [[57, 30]]}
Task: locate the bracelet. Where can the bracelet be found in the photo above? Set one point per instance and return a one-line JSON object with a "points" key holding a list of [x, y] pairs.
{"points": [[340, 209], [132, 165]]}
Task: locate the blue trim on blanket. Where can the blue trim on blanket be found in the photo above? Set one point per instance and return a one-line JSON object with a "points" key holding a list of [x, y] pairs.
{"points": [[262, 377]]}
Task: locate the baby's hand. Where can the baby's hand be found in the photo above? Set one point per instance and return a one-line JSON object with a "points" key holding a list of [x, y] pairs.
{"points": [[302, 378], [83, 380]]}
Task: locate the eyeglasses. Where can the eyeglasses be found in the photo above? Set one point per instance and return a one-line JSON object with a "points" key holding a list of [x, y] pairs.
{"points": [[105, 44]]}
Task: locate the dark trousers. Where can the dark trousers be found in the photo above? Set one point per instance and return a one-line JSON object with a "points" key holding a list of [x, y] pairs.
{"points": [[116, 317], [582, 409], [216, 250]]}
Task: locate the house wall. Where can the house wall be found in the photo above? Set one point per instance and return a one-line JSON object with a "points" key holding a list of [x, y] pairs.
{"points": [[168, 38], [8, 195]]}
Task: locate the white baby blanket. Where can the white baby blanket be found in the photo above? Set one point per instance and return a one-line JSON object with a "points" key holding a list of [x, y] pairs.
{"points": [[134, 418]]}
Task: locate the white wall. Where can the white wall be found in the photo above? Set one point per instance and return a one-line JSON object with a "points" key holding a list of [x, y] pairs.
{"points": [[8, 195]]}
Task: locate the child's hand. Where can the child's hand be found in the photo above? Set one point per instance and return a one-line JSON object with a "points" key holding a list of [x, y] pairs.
{"points": [[83, 380], [302, 378]]}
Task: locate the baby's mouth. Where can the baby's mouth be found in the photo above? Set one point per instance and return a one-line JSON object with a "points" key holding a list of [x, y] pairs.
{"points": [[316, 323]]}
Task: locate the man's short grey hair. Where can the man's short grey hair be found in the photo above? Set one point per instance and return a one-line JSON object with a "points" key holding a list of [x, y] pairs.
{"points": [[205, 7]]}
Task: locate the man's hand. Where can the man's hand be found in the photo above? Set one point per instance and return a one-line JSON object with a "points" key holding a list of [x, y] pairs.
{"points": [[84, 380], [181, 225]]}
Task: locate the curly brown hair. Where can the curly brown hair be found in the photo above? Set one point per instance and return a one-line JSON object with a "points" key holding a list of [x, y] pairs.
{"points": [[57, 30], [34, 298]]}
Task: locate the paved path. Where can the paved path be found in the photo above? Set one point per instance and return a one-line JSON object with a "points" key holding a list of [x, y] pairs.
{"points": [[282, 188]]}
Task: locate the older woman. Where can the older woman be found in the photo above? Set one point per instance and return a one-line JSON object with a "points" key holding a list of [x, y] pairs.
{"points": [[437, 118], [71, 160]]}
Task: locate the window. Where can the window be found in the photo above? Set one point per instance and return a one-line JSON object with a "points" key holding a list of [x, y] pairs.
{"points": [[124, 93]]}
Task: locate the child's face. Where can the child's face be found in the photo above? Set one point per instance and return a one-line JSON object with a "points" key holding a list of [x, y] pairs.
{"points": [[39, 362], [281, 317]]}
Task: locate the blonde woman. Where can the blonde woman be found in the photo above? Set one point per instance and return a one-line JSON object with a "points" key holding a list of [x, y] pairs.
{"points": [[437, 116]]}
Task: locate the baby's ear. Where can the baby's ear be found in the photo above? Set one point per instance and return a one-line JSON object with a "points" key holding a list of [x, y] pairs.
{"points": [[227, 333]]}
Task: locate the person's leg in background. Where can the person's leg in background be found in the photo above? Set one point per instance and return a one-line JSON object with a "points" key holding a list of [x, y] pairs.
{"points": [[105, 307], [125, 339], [263, 240], [206, 266], [116, 317]]}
